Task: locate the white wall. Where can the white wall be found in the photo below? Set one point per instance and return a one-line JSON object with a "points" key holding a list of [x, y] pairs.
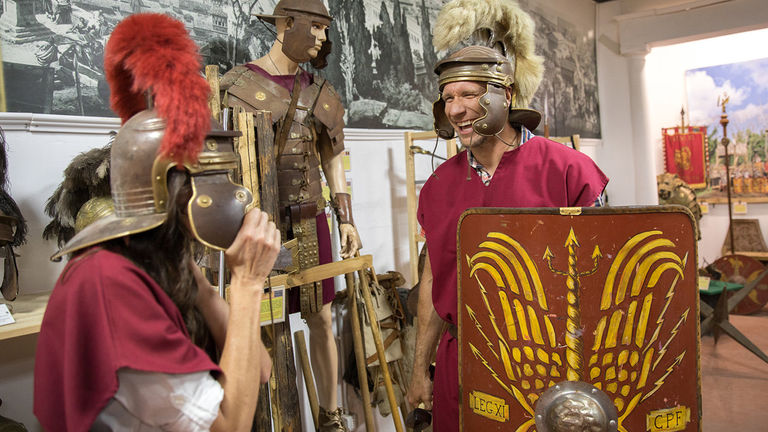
{"points": [[644, 48], [665, 69]]}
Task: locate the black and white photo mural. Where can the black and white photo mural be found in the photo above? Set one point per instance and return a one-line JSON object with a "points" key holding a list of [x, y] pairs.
{"points": [[381, 63]]}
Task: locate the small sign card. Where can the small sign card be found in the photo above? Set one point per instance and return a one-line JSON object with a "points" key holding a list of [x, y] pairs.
{"points": [[5, 315], [275, 313]]}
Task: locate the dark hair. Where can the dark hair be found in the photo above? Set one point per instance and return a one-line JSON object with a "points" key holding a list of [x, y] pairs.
{"points": [[165, 253]]}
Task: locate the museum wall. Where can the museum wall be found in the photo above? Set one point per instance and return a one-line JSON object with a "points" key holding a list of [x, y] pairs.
{"points": [[642, 88]]}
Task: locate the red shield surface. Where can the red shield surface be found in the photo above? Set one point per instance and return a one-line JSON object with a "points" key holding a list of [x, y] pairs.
{"points": [[604, 296]]}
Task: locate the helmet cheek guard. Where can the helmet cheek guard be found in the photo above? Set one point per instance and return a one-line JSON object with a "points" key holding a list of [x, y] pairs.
{"points": [[443, 127], [494, 103], [217, 208], [218, 205], [298, 39]]}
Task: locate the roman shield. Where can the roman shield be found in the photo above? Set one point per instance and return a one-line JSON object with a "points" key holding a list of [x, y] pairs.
{"points": [[604, 296]]}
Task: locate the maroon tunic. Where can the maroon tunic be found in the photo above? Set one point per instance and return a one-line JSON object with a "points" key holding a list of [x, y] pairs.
{"points": [[325, 255], [540, 173], [105, 314]]}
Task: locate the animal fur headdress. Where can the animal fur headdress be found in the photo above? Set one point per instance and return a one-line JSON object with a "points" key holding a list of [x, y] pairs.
{"points": [[86, 177], [8, 206], [153, 52], [500, 24]]}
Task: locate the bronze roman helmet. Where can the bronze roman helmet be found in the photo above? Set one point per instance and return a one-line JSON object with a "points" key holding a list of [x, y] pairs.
{"points": [[176, 133], [492, 42], [298, 39]]}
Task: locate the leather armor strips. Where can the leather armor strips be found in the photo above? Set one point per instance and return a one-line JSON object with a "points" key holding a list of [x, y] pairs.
{"points": [[318, 118]]}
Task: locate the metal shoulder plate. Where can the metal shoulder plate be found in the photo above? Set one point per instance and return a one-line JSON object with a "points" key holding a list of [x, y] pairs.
{"points": [[330, 112], [255, 90]]}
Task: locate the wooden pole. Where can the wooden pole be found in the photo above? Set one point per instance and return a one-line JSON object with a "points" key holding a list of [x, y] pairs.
{"points": [[285, 395], [410, 186], [381, 353], [309, 379], [212, 75], [357, 340]]}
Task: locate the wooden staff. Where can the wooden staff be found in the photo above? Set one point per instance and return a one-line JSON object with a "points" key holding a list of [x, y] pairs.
{"points": [[357, 339], [309, 379], [380, 347]]}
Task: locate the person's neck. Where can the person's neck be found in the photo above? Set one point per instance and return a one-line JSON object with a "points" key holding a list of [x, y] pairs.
{"points": [[490, 152], [277, 63]]}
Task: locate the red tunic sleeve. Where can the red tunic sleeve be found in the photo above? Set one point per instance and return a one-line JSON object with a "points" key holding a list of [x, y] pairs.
{"points": [[104, 314]]}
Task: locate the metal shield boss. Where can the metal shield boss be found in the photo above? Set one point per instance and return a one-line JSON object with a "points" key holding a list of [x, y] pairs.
{"points": [[218, 205], [578, 319]]}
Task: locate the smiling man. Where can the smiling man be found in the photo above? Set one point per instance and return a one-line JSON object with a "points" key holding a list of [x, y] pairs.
{"points": [[503, 165], [309, 134]]}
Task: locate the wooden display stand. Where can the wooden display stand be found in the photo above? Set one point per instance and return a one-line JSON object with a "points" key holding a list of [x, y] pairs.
{"points": [[414, 236]]}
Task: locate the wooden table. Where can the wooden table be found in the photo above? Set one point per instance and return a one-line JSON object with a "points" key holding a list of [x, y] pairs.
{"points": [[27, 310]]}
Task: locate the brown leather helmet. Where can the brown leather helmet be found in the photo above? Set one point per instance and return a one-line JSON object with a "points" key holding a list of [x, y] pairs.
{"points": [[484, 65], [298, 39]]}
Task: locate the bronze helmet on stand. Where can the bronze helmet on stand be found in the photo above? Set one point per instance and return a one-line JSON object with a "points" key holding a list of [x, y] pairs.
{"points": [[152, 53]]}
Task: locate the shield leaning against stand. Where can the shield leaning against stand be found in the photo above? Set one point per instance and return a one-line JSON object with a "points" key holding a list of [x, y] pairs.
{"points": [[596, 307]]}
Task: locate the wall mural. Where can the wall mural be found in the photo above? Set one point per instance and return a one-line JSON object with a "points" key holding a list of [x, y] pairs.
{"points": [[53, 53], [744, 89]]}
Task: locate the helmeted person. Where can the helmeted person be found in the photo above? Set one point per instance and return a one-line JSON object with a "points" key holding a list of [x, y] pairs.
{"points": [[121, 342], [308, 137], [484, 92]]}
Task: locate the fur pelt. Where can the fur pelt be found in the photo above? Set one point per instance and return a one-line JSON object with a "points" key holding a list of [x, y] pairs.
{"points": [[153, 52], [460, 23], [8, 206], [87, 176]]}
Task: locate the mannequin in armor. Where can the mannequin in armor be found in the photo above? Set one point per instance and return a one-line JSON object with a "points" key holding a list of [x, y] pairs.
{"points": [[308, 118]]}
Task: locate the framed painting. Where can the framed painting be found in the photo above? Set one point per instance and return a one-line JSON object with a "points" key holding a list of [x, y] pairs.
{"points": [[738, 91]]}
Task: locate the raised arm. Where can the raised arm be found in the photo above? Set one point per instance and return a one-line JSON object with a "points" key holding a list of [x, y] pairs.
{"points": [[250, 259]]}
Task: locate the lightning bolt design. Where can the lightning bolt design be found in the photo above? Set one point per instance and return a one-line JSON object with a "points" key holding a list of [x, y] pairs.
{"points": [[663, 349], [512, 390], [659, 382], [479, 327]]}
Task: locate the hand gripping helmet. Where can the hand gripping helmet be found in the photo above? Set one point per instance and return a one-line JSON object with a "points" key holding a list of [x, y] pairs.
{"points": [[153, 53], [498, 50], [298, 40]]}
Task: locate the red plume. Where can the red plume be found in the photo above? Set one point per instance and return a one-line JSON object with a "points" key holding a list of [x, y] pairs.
{"points": [[154, 52]]}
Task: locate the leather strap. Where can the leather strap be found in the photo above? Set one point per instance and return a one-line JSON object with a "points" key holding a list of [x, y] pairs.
{"points": [[285, 127], [342, 205]]}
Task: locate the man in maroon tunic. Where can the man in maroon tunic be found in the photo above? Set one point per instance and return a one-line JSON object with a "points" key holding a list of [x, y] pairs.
{"points": [[504, 165]]}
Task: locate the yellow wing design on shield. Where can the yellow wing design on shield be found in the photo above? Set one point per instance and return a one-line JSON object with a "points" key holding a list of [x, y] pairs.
{"points": [[521, 351], [629, 358]]}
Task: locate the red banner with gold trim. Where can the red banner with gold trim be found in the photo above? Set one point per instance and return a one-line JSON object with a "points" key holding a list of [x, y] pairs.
{"points": [[685, 155]]}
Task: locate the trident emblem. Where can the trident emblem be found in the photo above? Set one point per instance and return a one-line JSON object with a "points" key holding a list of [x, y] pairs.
{"points": [[573, 324]]}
